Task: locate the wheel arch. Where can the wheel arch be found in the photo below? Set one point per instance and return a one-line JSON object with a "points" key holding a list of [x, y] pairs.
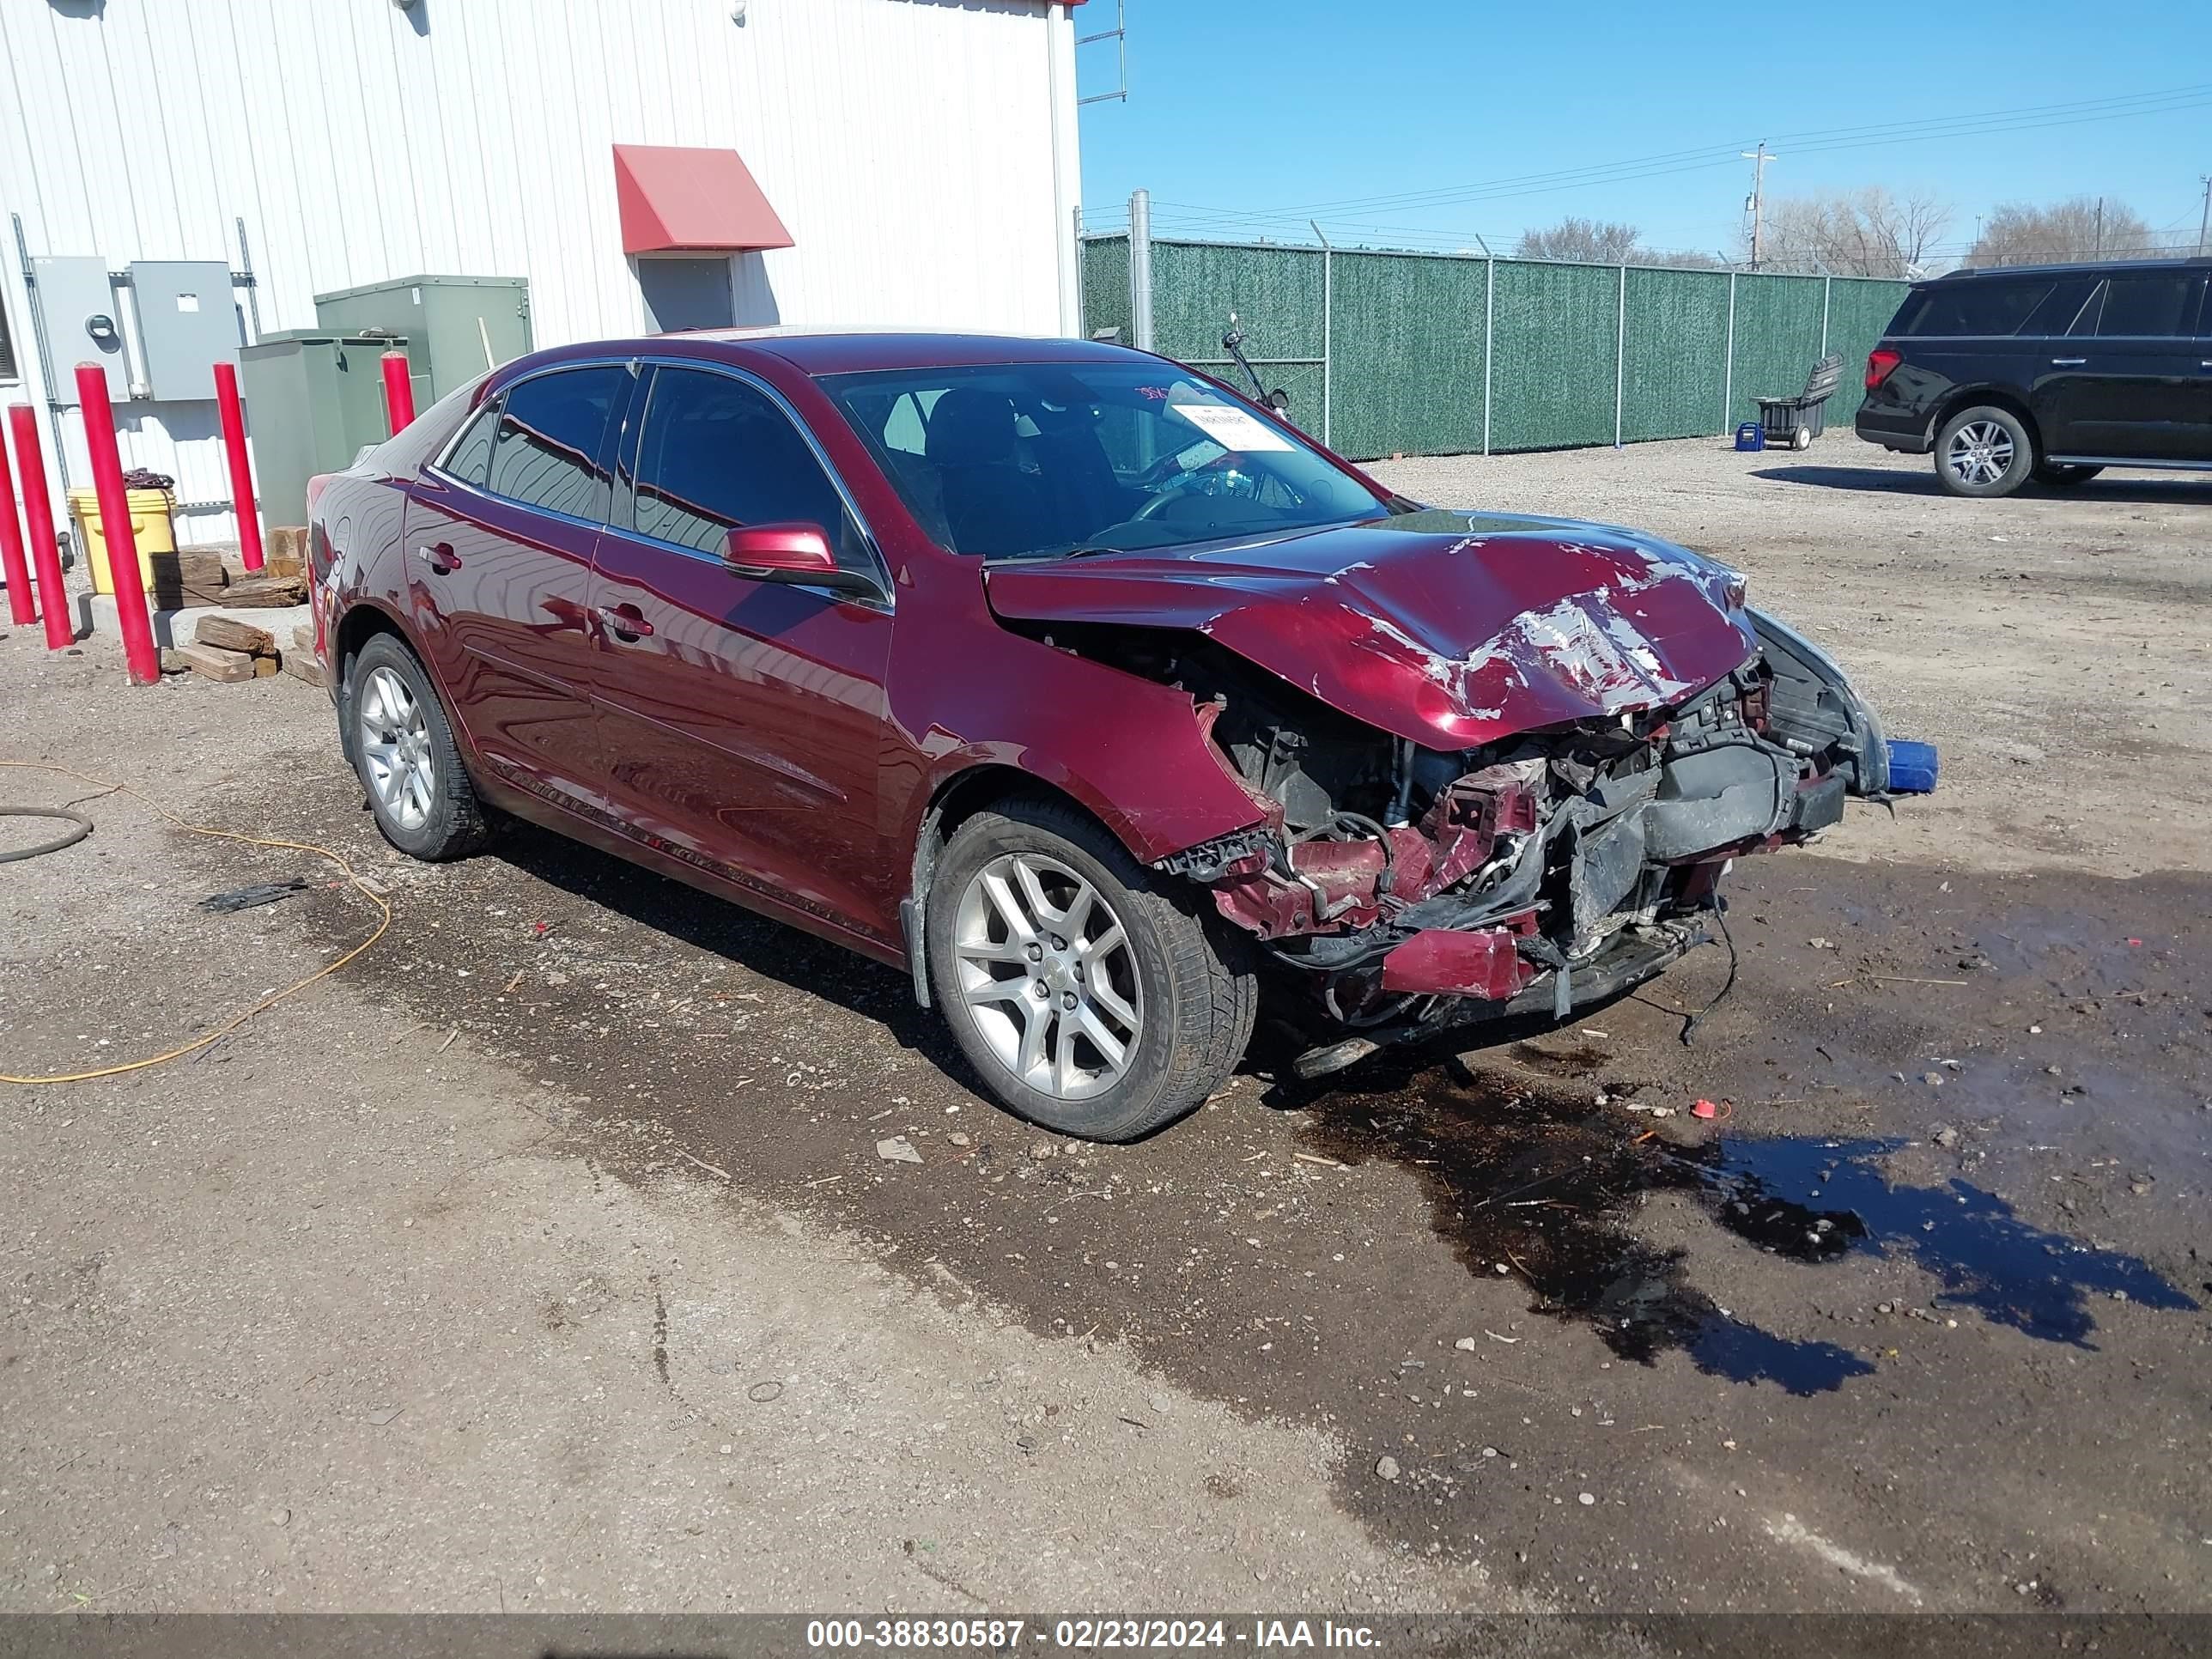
{"points": [[1992, 396], [956, 799]]}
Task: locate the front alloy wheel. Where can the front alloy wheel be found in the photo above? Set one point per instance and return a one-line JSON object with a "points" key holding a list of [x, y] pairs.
{"points": [[1045, 967], [1090, 994]]}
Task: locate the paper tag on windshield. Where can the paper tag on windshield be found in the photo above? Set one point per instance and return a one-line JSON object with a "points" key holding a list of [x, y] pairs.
{"points": [[1230, 427]]}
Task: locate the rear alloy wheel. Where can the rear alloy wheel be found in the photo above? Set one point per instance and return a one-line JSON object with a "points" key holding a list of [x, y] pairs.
{"points": [[1089, 997], [2064, 475], [402, 747], [1985, 451]]}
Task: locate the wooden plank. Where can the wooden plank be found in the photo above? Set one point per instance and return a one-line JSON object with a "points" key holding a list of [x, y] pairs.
{"points": [[217, 663], [171, 663], [303, 638], [266, 667], [271, 591], [285, 550], [189, 577], [300, 665], [234, 635]]}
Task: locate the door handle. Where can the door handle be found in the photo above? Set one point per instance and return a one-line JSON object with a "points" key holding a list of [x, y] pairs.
{"points": [[627, 620], [440, 557], [2207, 363], [2068, 362]]}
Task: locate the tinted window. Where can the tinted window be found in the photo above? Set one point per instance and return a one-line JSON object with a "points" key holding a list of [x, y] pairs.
{"points": [[551, 437], [715, 453], [1972, 306], [2154, 302], [2058, 309], [470, 459]]}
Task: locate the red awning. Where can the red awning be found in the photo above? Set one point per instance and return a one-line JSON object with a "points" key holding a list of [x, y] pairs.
{"points": [[673, 196]]}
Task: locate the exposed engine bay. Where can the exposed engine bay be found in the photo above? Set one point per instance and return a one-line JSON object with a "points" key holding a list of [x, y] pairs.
{"points": [[1406, 888]]}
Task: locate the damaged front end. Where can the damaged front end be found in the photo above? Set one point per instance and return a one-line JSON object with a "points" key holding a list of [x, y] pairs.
{"points": [[1414, 890], [1404, 886]]}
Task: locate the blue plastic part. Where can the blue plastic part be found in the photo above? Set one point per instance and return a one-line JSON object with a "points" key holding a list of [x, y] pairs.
{"points": [[1912, 767], [1750, 435]]}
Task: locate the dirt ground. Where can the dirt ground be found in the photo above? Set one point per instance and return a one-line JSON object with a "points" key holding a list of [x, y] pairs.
{"points": [[543, 1257]]}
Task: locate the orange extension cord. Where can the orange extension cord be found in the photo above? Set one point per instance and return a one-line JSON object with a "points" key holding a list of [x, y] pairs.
{"points": [[383, 910]]}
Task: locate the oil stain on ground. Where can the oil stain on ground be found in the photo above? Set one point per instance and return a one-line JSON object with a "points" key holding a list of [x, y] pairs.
{"points": [[1525, 1173]]}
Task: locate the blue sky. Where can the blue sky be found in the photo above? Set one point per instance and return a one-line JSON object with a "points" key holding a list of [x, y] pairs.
{"points": [[1243, 106]]}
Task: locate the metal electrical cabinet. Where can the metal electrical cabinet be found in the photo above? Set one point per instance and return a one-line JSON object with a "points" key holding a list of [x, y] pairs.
{"points": [[313, 400], [456, 326], [188, 322]]}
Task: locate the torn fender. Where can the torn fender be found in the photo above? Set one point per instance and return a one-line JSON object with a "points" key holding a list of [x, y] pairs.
{"points": [[1449, 628]]}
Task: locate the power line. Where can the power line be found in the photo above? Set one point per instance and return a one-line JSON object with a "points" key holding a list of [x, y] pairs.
{"points": [[2122, 106]]}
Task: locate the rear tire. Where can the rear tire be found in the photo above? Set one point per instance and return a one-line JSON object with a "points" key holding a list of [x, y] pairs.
{"points": [[2064, 475], [1089, 993], [1985, 451], [402, 748]]}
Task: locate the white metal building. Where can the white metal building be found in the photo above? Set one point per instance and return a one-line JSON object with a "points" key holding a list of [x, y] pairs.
{"points": [[918, 156]]}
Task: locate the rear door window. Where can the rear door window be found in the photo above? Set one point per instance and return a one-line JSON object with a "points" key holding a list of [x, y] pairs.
{"points": [[549, 449], [2157, 304], [1971, 306], [2055, 314], [470, 458]]}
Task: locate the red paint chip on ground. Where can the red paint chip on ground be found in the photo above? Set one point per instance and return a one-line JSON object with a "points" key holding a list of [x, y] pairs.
{"points": [[1704, 1109]]}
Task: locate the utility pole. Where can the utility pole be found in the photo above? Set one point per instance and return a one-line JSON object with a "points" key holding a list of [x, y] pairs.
{"points": [[2204, 219], [1759, 158], [2100, 227]]}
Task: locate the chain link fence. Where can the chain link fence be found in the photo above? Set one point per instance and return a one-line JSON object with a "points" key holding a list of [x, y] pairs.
{"points": [[1427, 354]]}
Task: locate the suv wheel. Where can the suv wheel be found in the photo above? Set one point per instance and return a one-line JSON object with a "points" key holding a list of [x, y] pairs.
{"points": [[2064, 475], [402, 745], [1986, 451], [1091, 997]]}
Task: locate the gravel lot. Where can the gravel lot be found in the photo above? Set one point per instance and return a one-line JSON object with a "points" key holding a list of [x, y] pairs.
{"points": [[544, 1258]]}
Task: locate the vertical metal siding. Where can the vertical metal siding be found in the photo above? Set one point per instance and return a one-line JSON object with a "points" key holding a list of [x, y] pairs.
{"points": [[907, 146]]}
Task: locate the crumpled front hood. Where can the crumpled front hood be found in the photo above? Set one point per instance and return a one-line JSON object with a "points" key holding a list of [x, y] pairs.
{"points": [[1451, 628]]}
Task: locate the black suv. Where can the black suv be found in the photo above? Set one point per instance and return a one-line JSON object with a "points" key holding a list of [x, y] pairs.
{"points": [[2047, 372]]}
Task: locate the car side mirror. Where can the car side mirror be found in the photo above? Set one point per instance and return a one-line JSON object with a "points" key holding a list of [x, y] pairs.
{"points": [[1279, 400], [788, 553]]}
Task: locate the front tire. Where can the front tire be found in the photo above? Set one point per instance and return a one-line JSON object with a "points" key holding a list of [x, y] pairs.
{"points": [[1089, 994], [1985, 451], [402, 747]]}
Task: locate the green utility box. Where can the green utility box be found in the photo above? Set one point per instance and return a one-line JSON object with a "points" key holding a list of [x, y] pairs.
{"points": [[313, 400], [456, 326]]}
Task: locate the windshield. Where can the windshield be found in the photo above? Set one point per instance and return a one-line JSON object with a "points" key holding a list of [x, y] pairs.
{"points": [[1023, 461]]}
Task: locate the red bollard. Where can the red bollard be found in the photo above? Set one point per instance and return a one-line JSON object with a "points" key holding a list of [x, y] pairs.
{"points": [[139, 653], [241, 469], [398, 391], [38, 526], [20, 610]]}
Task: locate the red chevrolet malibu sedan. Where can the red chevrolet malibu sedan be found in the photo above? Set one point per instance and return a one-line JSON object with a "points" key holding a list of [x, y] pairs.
{"points": [[1100, 699]]}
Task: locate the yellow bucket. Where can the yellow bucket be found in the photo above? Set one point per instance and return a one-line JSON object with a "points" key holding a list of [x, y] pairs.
{"points": [[151, 528]]}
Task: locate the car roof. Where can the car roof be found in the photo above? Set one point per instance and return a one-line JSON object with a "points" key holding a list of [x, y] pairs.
{"points": [[2077, 268], [851, 350]]}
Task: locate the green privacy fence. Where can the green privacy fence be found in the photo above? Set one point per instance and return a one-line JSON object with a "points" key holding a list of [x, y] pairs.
{"points": [[1424, 353]]}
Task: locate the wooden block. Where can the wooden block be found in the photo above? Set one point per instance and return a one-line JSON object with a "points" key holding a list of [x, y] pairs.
{"points": [[235, 636], [266, 667], [285, 550], [172, 662], [303, 638], [190, 577], [272, 591], [216, 663], [302, 665]]}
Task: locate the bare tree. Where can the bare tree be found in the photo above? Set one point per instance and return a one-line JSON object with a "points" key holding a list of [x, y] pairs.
{"points": [[2084, 227], [1597, 242], [1862, 233], [1590, 240]]}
